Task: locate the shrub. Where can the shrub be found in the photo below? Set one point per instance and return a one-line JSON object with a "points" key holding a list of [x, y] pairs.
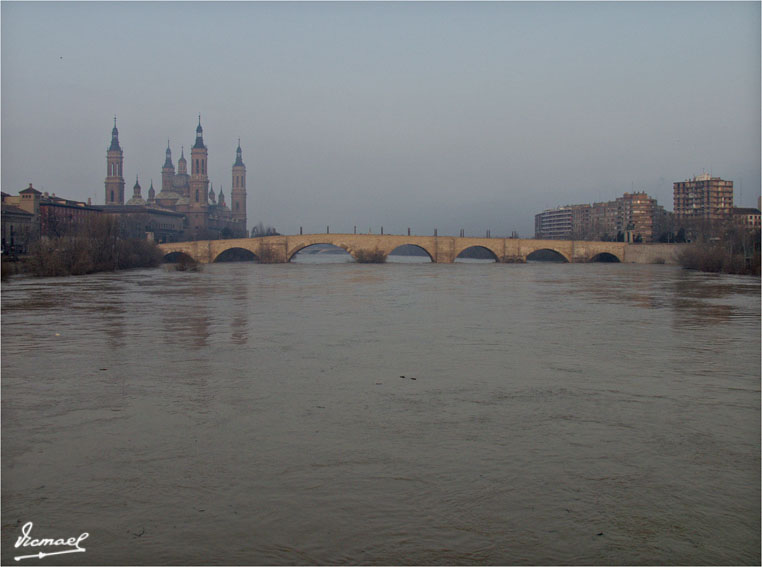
{"points": [[717, 257], [100, 246], [11, 268], [187, 264]]}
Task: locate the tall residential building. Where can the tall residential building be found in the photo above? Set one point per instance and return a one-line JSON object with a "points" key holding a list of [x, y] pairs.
{"points": [[581, 222], [633, 214], [703, 198], [553, 223], [603, 220], [567, 222], [639, 214]]}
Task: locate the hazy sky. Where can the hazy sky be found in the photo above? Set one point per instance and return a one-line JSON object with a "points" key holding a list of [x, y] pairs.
{"points": [[422, 115]]}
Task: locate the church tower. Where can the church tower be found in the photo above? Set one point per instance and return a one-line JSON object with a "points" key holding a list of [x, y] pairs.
{"points": [[182, 164], [137, 198], [114, 163], [168, 171], [136, 189], [198, 186], [199, 181], [238, 191]]}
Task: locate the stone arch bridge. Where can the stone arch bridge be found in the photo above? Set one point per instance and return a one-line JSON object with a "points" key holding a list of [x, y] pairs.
{"points": [[441, 249]]}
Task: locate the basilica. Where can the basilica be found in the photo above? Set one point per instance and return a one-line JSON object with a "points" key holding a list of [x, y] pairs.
{"points": [[187, 199]]}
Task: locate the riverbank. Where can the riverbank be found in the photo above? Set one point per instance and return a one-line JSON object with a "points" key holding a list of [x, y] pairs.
{"points": [[13, 268], [100, 249], [721, 258]]}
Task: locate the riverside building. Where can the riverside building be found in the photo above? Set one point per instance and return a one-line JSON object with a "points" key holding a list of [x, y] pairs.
{"points": [[205, 215], [703, 198], [634, 216]]}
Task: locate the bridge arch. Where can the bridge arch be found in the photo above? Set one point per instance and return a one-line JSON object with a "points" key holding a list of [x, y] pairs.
{"points": [[546, 255], [294, 250], [176, 257], [606, 257], [477, 252], [236, 254], [410, 251]]}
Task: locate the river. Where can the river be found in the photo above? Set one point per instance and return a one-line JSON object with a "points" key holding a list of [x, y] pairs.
{"points": [[313, 413]]}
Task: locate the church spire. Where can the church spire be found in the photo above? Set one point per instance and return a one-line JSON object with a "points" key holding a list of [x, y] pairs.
{"points": [[238, 158], [114, 139], [182, 163], [199, 135], [137, 198], [168, 160]]}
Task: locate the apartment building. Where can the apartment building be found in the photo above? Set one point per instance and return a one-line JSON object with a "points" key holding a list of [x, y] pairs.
{"points": [[553, 223], [703, 198], [639, 215], [634, 215]]}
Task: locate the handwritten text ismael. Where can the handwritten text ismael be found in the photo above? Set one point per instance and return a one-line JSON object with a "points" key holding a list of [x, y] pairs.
{"points": [[26, 540]]}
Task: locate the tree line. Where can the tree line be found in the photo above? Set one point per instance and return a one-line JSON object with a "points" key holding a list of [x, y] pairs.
{"points": [[719, 246], [103, 243]]}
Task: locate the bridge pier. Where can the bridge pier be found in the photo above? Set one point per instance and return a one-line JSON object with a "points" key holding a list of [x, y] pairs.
{"points": [[513, 260]]}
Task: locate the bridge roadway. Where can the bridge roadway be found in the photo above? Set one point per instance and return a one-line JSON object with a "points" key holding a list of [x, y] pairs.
{"points": [[441, 249]]}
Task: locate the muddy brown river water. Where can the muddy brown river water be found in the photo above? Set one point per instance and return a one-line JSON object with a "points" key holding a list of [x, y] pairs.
{"points": [[384, 414]]}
